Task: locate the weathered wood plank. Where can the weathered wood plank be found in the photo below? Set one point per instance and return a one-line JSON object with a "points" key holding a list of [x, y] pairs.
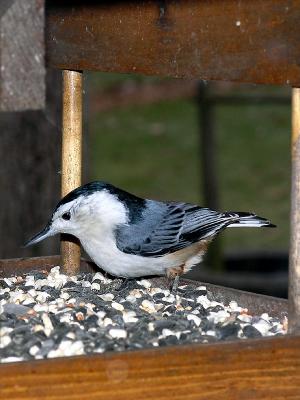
{"points": [[244, 41], [22, 70], [294, 268], [253, 369]]}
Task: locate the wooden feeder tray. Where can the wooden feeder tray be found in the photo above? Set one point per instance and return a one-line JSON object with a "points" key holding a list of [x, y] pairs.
{"points": [[253, 368]]}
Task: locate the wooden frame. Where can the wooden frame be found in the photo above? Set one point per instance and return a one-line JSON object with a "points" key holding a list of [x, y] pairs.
{"points": [[243, 41]]}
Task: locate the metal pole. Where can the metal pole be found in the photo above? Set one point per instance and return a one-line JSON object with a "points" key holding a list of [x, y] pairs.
{"points": [[294, 268], [71, 158]]}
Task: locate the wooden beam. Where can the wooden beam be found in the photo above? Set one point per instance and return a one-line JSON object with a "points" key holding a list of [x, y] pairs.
{"points": [[22, 69], [294, 270], [248, 369], [244, 41], [71, 158]]}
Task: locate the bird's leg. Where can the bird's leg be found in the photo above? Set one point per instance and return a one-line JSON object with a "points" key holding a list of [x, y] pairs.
{"points": [[175, 285], [173, 274]]}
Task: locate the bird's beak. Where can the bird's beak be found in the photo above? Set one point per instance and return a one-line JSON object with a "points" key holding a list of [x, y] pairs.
{"points": [[46, 232]]}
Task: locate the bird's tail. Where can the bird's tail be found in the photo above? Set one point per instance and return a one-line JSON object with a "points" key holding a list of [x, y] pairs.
{"points": [[244, 219]]}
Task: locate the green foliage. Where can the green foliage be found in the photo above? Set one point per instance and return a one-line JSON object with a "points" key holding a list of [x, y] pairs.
{"points": [[254, 162], [153, 151]]}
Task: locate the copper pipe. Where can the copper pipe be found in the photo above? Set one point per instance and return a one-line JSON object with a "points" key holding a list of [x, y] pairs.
{"points": [[294, 267], [71, 158]]}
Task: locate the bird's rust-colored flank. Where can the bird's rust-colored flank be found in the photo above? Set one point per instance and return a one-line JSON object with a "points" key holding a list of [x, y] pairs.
{"points": [[196, 250], [176, 271]]}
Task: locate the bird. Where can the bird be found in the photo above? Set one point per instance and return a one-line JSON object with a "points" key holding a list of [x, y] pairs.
{"points": [[130, 237]]}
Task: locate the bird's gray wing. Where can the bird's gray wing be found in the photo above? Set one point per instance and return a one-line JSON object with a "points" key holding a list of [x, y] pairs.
{"points": [[178, 226]]}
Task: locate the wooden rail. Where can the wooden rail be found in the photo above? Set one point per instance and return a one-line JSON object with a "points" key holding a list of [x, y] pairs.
{"points": [[248, 370], [246, 41]]}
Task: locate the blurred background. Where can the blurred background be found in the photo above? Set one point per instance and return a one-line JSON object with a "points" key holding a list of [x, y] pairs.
{"points": [[226, 146]]}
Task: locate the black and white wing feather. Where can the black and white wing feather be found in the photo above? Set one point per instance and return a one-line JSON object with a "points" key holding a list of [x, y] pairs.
{"points": [[173, 226]]}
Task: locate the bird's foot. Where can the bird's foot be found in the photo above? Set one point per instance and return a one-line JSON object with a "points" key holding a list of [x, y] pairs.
{"points": [[173, 274], [123, 285]]}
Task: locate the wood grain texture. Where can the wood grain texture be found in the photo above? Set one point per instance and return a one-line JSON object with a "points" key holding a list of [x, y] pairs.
{"points": [[22, 69], [253, 369], [71, 158], [244, 41], [294, 267]]}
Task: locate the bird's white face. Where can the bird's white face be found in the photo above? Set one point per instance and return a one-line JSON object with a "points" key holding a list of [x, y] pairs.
{"points": [[71, 217], [85, 216]]}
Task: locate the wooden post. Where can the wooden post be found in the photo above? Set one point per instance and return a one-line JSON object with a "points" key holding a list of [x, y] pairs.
{"points": [[294, 268], [71, 158]]}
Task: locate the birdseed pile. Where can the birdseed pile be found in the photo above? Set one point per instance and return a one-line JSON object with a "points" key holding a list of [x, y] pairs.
{"points": [[47, 315]]}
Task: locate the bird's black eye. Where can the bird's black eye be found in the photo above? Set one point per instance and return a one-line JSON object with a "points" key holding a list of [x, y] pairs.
{"points": [[66, 216]]}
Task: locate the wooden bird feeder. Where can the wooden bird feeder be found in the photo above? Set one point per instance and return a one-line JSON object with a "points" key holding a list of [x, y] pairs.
{"points": [[247, 41]]}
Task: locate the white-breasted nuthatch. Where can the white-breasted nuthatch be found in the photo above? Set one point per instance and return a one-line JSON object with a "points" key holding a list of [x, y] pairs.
{"points": [[130, 237]]}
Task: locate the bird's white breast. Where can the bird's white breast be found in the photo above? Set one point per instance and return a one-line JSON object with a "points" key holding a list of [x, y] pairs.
{"points": [[104, 252]]}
